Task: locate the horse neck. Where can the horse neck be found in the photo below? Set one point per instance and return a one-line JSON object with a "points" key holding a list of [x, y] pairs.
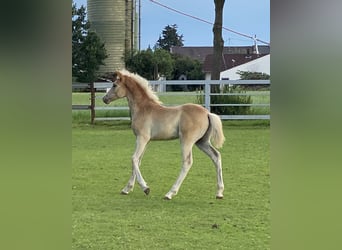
{"points": [[139, 100]]}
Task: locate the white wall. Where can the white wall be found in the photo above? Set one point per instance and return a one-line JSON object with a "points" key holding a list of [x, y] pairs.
{"points": [[258, 65]]}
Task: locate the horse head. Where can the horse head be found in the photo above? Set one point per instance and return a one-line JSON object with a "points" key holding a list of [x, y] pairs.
{"points": [[118, 90]]}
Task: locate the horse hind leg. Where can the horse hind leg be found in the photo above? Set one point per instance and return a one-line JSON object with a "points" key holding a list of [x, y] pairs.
{"points": [[215, 156]]}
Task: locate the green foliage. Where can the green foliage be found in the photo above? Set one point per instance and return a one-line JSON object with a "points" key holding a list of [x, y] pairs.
{"points": [[228, 99], [93, 54], [150, 64], [79, 24], [88, 51], [170, 38], [194, 219], [141, 62], [187, 66], [248, 75], [231, 99], [163, 63]]}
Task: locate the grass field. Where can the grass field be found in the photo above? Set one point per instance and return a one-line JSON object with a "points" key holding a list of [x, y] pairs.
{"points": [[194, 219], [84, 98], [178, 98]]}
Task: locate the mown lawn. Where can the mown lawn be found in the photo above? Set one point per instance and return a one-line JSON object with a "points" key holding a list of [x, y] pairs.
{"points": [[84, 99], [194, 219], [174, 98]]}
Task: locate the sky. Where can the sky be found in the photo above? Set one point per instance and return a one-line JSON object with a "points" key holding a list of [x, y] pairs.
{"points": [[250, 17]]}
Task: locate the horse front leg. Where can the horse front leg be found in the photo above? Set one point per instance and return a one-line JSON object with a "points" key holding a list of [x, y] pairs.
{"points": [[141, 143], [130, 185], [187, 163]]}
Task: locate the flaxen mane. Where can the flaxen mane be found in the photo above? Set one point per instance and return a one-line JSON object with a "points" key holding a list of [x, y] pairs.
{"points": [[143, 84]]}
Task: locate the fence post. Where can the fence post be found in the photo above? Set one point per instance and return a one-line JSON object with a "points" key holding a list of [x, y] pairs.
{"points": [[207, 95], [92, 102]]}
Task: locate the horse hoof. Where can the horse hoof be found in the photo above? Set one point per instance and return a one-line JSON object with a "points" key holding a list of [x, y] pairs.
{"points": [[147, 191], [124, 193], [219, 197], [167, 198]]}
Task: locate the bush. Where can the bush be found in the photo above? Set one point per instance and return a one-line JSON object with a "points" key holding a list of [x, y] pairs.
{"points": [[229, 99]]}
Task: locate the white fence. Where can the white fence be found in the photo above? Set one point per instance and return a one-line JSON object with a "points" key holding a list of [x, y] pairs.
{"points": [[160, 87]]}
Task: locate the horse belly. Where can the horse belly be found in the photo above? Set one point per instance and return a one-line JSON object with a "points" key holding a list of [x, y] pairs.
{"points": [[164, 131]]}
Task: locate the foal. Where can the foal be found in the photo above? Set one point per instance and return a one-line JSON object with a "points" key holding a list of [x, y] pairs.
{"points": [[192, 123]]}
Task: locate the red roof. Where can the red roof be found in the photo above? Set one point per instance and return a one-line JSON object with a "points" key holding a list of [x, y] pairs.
{"points": [[200, 53], [229, 61], [232, 55]]}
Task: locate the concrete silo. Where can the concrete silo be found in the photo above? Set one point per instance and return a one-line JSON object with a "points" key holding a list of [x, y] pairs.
{"points": [[114, 21]]}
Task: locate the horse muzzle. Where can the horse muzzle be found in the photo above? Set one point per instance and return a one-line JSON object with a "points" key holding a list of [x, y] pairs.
{"points": [[106, 100]]}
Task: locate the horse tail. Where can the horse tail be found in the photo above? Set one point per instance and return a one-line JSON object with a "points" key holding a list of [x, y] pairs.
{"points": [[217, 136]]}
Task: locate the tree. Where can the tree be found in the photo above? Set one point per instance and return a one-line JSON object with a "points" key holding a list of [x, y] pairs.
{"points": [[192, 69], [163, 64], [218, 40], [249, 75], [170, 38], [79, 28], [93, 53], [150, 64], [140, 62], [160, 62], [88, 51]]}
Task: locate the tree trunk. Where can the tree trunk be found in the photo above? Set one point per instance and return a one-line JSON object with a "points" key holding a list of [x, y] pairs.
{"points": [[218, 40]]}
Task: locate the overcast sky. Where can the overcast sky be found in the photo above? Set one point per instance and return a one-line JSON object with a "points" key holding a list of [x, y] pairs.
{"points": [[250, 17]]}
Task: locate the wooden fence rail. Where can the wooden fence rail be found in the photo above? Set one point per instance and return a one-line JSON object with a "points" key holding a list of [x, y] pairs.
{"points": [[160, 87]]}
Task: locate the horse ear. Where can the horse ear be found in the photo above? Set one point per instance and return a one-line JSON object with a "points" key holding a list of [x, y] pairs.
{"points": [[117, 77]]}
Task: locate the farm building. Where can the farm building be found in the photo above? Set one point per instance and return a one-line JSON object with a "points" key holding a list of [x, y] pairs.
{"points": [[261, 64], [116, 22], [232, 56]]}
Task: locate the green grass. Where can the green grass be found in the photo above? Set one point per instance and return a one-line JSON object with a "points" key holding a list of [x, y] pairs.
{"points": [[179, 98], [194, 219], [260, 99], [84, 98]]}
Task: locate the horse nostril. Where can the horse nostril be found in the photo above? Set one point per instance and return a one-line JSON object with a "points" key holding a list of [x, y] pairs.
{"points": [[105, 100]]}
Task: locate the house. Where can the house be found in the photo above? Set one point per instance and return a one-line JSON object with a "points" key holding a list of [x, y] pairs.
{"points": [[232, 55], [261, 64], [228, 61]]}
